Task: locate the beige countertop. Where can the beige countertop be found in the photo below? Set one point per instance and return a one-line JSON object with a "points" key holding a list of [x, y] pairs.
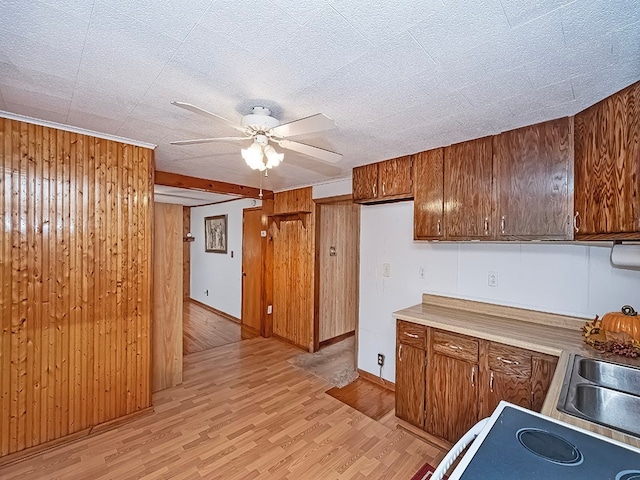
{"points": [[552, 334]]}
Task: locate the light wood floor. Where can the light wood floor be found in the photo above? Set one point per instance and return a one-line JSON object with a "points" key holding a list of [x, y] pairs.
{"points": [[203, 329], [243, 412]]}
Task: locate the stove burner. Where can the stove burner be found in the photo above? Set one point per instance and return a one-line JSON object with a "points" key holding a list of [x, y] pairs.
{"points": [[628, 475], [551, 447]]}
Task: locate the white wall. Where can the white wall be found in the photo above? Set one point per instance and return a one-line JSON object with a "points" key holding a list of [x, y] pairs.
{"points": [[333, 188], [219, 273], [570, 279]]}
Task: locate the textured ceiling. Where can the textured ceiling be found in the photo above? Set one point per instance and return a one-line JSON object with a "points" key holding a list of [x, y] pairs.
{"points": [[397, 76]]}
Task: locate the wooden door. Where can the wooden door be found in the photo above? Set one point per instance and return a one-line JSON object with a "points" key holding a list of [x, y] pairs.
{"points": [[410, 384], [167, 296], [252, 272], [396, 178], [607, 165], [452, 397], [468, 175], [365, 182], [428, 207], [532, 166], [338, 252]]}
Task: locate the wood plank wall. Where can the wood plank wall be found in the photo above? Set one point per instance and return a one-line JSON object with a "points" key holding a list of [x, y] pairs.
{"points": [[186, 256], [166, 369], [75, 302], [339, 225], [293, 269]]}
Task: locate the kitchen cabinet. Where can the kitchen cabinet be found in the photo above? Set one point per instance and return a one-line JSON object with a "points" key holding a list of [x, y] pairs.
{"points": [[533, 168], [607, 168], [385, 181], [452, 401], [428, 206], [410, 372], [446, 382], [468, 176]]}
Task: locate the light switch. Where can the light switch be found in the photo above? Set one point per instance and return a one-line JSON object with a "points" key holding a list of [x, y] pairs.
{"points": [[386, 269]]}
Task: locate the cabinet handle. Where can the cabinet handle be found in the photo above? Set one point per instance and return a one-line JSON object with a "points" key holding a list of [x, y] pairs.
{"points": [[375, 190], [473, 376], [491, 382], [486, 225], [400, 353], [412, 335], [502, 224], [383, 189], [508, 362], [438, 226], [576, 224], [454, 347]]}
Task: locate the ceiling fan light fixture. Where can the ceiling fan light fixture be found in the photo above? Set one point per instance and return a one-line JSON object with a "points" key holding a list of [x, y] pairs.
{"points": [[253, 156], [273, 158]]}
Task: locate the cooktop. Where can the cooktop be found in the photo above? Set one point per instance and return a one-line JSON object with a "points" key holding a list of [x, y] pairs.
{"points": [[525, 445]]}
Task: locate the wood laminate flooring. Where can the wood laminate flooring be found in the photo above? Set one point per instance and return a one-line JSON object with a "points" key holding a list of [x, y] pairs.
{"points": [[242, 412], [203, 329], [373, 400]]}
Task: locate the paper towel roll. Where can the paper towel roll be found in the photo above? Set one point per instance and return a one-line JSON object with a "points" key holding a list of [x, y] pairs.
{"points": [[625, 255]]}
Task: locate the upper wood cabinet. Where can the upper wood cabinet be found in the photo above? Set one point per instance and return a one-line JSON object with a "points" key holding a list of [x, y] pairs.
{"points": [[467, 189], [428, 206], [533, 168], [384, 181], [607, 168]]}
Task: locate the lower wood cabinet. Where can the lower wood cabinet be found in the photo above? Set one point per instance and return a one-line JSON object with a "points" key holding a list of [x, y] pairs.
{"points": [[446, 382]]}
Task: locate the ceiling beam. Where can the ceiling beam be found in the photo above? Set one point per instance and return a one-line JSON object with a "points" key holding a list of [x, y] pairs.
{"points": [[214, 186]]}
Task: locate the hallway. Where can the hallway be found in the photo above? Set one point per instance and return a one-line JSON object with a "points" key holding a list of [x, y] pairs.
{"points": [[203, 329]]}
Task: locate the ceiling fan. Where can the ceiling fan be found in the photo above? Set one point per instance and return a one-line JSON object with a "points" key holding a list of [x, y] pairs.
{"points": [[261, 127]]}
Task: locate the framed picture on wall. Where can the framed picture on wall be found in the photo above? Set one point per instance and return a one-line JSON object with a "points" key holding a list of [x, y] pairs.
{"points": [[215, 234]]}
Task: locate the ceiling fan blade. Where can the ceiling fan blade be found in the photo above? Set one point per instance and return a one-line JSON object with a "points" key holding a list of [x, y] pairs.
{"points": [[314, 123], [207, 140], [316, 152], [205, 113]]}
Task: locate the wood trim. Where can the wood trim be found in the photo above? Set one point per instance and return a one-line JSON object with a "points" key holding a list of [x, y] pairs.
{"points": [[248, 332], [216, 311], [87, 432], [422, 435], [514, 313], [317, 345], [335, 199], [377, 380], [608, 236], [214, 186], [290, 342], [337, 339], [266, 328]]}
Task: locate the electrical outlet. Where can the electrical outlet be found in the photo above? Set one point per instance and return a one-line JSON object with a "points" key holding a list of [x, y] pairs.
{"points": [[493, 279], [386, 269], [380, 359], [422, 272], [269, 309], [206, 292]]}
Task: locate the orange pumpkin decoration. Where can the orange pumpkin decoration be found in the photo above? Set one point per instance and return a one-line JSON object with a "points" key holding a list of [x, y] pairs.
{"points": [[626, 321]]}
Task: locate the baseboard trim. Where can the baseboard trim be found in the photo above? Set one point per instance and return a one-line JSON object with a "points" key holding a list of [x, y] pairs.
{"points": [[87, 432], [337, 339], [248, 332], [378, 380], [216, 311]]}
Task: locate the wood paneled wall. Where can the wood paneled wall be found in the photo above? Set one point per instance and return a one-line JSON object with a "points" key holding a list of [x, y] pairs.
{"points": [[75, 301], [166, 368], [293, 269], [339, 225], [186, 253]]}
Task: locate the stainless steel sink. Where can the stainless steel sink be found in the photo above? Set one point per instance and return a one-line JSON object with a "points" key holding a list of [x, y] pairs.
{"points": [[610, 375], [602, 392]]}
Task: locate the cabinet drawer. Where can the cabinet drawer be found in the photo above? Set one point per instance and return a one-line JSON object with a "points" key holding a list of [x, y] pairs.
{"points": [[509, 360], [456, 346], [412, 334]]}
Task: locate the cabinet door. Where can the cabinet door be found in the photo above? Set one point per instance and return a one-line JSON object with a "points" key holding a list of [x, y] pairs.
{"points": [[502, 386], [365, 182], [396, 178], [428, 206], [410, 384], [452, 397], [468, 175], [607, 165], [543, 368], [532, 166]]}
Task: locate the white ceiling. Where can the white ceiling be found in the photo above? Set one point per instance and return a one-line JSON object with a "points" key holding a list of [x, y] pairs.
{"points": [[397, 76]]}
